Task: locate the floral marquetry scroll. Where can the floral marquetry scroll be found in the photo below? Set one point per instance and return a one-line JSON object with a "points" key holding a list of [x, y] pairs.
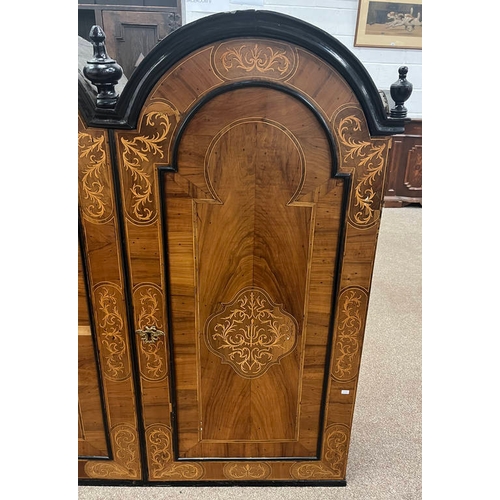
{"points": [[149, 318], [127, 457], [110, 319], [94, 175], [353, 303], [251, 333], [139, 155], [248, 58], [248, 470], [161, 464], [334, 461], [366, 158]]}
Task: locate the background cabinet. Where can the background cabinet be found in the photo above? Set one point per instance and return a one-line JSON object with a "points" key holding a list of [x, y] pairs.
{"points": [[132, 27], [404, 183]]}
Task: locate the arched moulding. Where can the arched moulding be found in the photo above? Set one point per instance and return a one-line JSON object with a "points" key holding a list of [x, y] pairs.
{"points": [[213, 30]]}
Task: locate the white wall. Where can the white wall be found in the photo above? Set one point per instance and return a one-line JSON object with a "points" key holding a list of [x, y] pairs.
{"points": [[338, 18]]}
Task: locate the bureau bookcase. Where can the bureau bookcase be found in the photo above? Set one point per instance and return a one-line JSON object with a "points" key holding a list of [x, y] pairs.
{"points": [[229, 206]]}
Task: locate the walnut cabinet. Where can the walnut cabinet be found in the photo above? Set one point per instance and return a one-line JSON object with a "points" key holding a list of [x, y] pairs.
{"points": [[229, 205]]}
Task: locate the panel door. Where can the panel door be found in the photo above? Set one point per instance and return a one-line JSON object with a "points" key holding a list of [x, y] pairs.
{"points": [[108, 426], [130, 35], [253, 184], [251, 198]]}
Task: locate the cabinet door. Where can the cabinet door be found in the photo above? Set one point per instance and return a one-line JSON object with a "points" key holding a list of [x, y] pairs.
{"points": [[251, 203], [106, 391], [130, 35]]}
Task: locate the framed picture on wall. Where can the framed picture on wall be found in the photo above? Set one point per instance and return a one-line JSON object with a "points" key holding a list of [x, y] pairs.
{"points": [[392, 24]]}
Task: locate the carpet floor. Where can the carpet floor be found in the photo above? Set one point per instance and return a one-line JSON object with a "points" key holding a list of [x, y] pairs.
{"points": [[385, 457]]}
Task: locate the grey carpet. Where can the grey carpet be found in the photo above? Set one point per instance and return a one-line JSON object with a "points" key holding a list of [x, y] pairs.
{"points": [[385, 453]]}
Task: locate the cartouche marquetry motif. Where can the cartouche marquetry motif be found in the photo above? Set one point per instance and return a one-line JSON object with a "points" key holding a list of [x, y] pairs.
{"points": [[247, 470], [368, 158], [147, 300], [139, 153], [352, 311], [240, 59], [251, 333], [126, 463], [160, 461], [110, 331], [95, 200]]}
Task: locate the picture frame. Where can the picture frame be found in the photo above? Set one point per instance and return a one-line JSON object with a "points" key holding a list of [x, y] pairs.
{"points": [[389, 24]]}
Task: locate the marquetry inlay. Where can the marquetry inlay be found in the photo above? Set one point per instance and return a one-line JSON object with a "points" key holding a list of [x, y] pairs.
{"points": [[161, 464], [334, 459], [110, 331], [251, 333], [353, 303], [250, 470], [139, 153], [368, 158], [148, 303], [126, 463], [238, 59], [94, 183]]}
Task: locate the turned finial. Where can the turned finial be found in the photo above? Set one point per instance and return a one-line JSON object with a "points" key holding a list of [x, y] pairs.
{"points": [[400, 92], [102, 71]]}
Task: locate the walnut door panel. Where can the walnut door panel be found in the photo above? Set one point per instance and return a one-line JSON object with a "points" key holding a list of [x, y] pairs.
{"points": [[266, 169]]}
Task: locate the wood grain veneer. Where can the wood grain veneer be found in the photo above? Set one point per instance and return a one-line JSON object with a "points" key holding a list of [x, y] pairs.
{"points": [[230, 234]]}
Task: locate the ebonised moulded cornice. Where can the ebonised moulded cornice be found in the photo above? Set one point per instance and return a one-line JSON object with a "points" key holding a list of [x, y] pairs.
{"points": [[241, 24]]}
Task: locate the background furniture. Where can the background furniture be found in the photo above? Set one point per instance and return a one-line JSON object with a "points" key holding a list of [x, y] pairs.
{"points": [[404, 183], [132, 27], [229, 207]]}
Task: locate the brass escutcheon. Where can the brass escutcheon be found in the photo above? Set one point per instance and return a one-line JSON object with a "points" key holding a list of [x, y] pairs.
{"points": [[150, 334]]}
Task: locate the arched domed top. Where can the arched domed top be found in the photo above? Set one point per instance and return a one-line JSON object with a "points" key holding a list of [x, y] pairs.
{"points": [[248, 23]]}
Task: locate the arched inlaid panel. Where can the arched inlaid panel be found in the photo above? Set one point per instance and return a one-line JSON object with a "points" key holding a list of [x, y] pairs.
{"points": [[251, 194]]}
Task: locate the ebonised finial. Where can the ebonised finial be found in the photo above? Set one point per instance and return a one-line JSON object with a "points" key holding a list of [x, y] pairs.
{"points": [[400, 92], [102, 71]]}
